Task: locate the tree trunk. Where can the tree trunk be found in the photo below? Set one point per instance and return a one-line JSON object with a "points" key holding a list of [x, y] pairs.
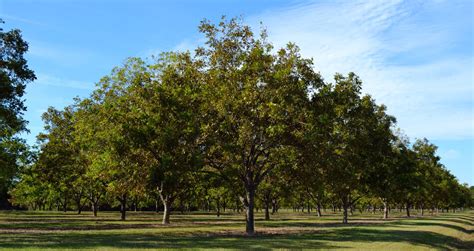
{"points": [[218, 205], [267, 210], [249, 203], [345, 206], [156, 206], [79, 206], [167, 209], [318, 208], [123, 206], [95, 207], [274, 206], [385, 208], [408, 209], [422, 210]]}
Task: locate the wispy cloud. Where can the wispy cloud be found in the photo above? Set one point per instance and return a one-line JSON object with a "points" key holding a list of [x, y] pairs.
{"points": [[45, 79], [10, 19], [451, 154], [183, 46], [60, 55], [407, 61]]}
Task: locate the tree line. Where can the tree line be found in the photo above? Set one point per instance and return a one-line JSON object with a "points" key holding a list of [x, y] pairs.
{"points": [[237, 124]]}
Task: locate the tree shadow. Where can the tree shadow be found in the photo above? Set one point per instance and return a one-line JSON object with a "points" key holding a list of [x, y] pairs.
{"points": [[317, 239], [259, 242], [424, 223], [306, 234]]}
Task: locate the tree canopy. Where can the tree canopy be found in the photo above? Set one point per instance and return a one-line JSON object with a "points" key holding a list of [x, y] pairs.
{"points": [[235, 124]]}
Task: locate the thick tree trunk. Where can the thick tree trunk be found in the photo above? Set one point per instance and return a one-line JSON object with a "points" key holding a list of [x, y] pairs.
{"points": [[156, 206], [250, 224], [385, 208], [249, 203]]}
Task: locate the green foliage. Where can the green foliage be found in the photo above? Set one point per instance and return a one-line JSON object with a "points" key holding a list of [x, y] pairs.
{"points": [[14, 75], [236, 125]]}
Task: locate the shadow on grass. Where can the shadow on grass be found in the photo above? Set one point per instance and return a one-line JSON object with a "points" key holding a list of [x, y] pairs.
{"points": [[318, 239], [313, 234], [424, 223]]}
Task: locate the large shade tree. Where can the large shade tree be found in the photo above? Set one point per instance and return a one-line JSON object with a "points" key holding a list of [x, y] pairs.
{"points": [[253, 98]]}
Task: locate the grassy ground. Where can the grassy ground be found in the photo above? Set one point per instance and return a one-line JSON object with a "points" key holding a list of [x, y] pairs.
{"points": [[287, 230]]}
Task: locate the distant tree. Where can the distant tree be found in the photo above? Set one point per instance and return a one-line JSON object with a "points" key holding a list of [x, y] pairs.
{"points": [[358, 128]]}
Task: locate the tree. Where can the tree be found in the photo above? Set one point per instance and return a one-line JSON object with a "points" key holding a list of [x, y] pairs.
{"points": [[14, 76], [106, 134], [252, 104], [166, 126], [59, 162], [352, 142]]}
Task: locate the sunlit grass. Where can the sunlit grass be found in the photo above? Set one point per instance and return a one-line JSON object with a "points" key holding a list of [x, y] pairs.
{"points": [[202, 230]]}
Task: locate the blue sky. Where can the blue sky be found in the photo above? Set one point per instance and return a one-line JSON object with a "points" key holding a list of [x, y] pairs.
{"points": [[414, 56]]}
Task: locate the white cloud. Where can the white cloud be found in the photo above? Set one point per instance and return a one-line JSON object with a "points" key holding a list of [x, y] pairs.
{"points": [[45, 79], [401, 51], [451, 154]]}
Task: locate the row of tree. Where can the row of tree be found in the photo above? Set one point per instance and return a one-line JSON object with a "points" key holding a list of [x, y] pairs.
{"points": [[235, 124]]}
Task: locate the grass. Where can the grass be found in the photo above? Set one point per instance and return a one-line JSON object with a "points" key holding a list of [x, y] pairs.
{"points": [[286, 230]]}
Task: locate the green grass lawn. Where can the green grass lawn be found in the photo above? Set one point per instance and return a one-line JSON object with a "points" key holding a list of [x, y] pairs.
{"points": [[286, 230]]}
